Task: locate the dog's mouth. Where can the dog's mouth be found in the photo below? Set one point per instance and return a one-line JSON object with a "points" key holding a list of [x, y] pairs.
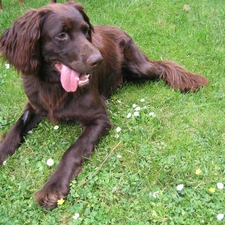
{"points": [[71, 79]]}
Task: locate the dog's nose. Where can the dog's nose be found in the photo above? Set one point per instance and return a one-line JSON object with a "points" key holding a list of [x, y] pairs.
{"points": [[94, 60]]}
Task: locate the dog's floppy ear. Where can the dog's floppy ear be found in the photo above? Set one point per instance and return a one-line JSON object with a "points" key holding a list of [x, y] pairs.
{"points": [[80, 8], [19, 45]]}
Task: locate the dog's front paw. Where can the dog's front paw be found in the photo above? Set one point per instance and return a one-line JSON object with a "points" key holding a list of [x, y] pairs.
{"points": [[50, 194]]}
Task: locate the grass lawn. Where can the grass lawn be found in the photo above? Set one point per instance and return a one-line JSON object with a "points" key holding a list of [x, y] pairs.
{"points": [[170, 159]]}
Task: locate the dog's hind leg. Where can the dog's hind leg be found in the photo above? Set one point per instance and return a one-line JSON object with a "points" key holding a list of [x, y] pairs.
{"points": [[137, 65]]}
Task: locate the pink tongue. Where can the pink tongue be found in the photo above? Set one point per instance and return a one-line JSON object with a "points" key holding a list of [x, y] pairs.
{"points": [[69, 79]]}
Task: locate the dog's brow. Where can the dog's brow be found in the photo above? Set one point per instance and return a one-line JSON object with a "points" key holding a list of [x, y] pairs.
{"points": [[84, 26]]}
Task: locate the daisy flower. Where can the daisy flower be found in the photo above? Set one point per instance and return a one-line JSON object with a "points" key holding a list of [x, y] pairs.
{"points": [[180, 187], [118, 129], [138, 108], [50, 162], [220, 185], [7, 66], [186, 8], [119, 156], [128, 115], [142, 100], [152, 114], [134, 105], [56, 127], [136, 114], [220, 216], [76, 216], [114, 189], [155, 194]]}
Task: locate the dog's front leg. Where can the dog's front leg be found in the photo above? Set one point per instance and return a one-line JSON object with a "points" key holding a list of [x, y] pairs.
{"points": [[57, 187], [17, 132]]}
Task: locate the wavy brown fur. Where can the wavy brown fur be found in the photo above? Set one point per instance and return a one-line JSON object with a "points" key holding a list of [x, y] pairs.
{"points": [[179, 78]]}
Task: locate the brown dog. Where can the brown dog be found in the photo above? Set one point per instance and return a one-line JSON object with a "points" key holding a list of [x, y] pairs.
{"points": [[69, 68]]}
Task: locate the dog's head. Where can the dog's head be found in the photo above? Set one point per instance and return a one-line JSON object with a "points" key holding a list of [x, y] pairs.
{"points": [[58, 35]]}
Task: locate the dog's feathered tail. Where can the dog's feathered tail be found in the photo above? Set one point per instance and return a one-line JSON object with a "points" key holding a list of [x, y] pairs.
{"points": [[179, 78]]}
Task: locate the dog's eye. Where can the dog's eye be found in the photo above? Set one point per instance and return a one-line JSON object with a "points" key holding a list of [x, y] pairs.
{"points": [[62, 36], [86, 31]]}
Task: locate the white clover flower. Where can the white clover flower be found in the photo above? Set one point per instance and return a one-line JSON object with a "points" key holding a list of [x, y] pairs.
{"points": [[152, 114], [118, 129], [128, 115], [134, 105], [117, 136], [56, 127], [142, 100], [119, 156], [138, 108], [220, 216], [4, 163], [76, 216], [7, 66], [220, 185], [180, 187], [136, 114], [50, 162]]}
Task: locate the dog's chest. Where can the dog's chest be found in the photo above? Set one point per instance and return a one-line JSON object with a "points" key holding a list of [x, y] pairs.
{"points": [[50, 100]]}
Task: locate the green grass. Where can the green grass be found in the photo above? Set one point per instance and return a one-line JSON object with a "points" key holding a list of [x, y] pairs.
{"points": [[157, 153]]}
